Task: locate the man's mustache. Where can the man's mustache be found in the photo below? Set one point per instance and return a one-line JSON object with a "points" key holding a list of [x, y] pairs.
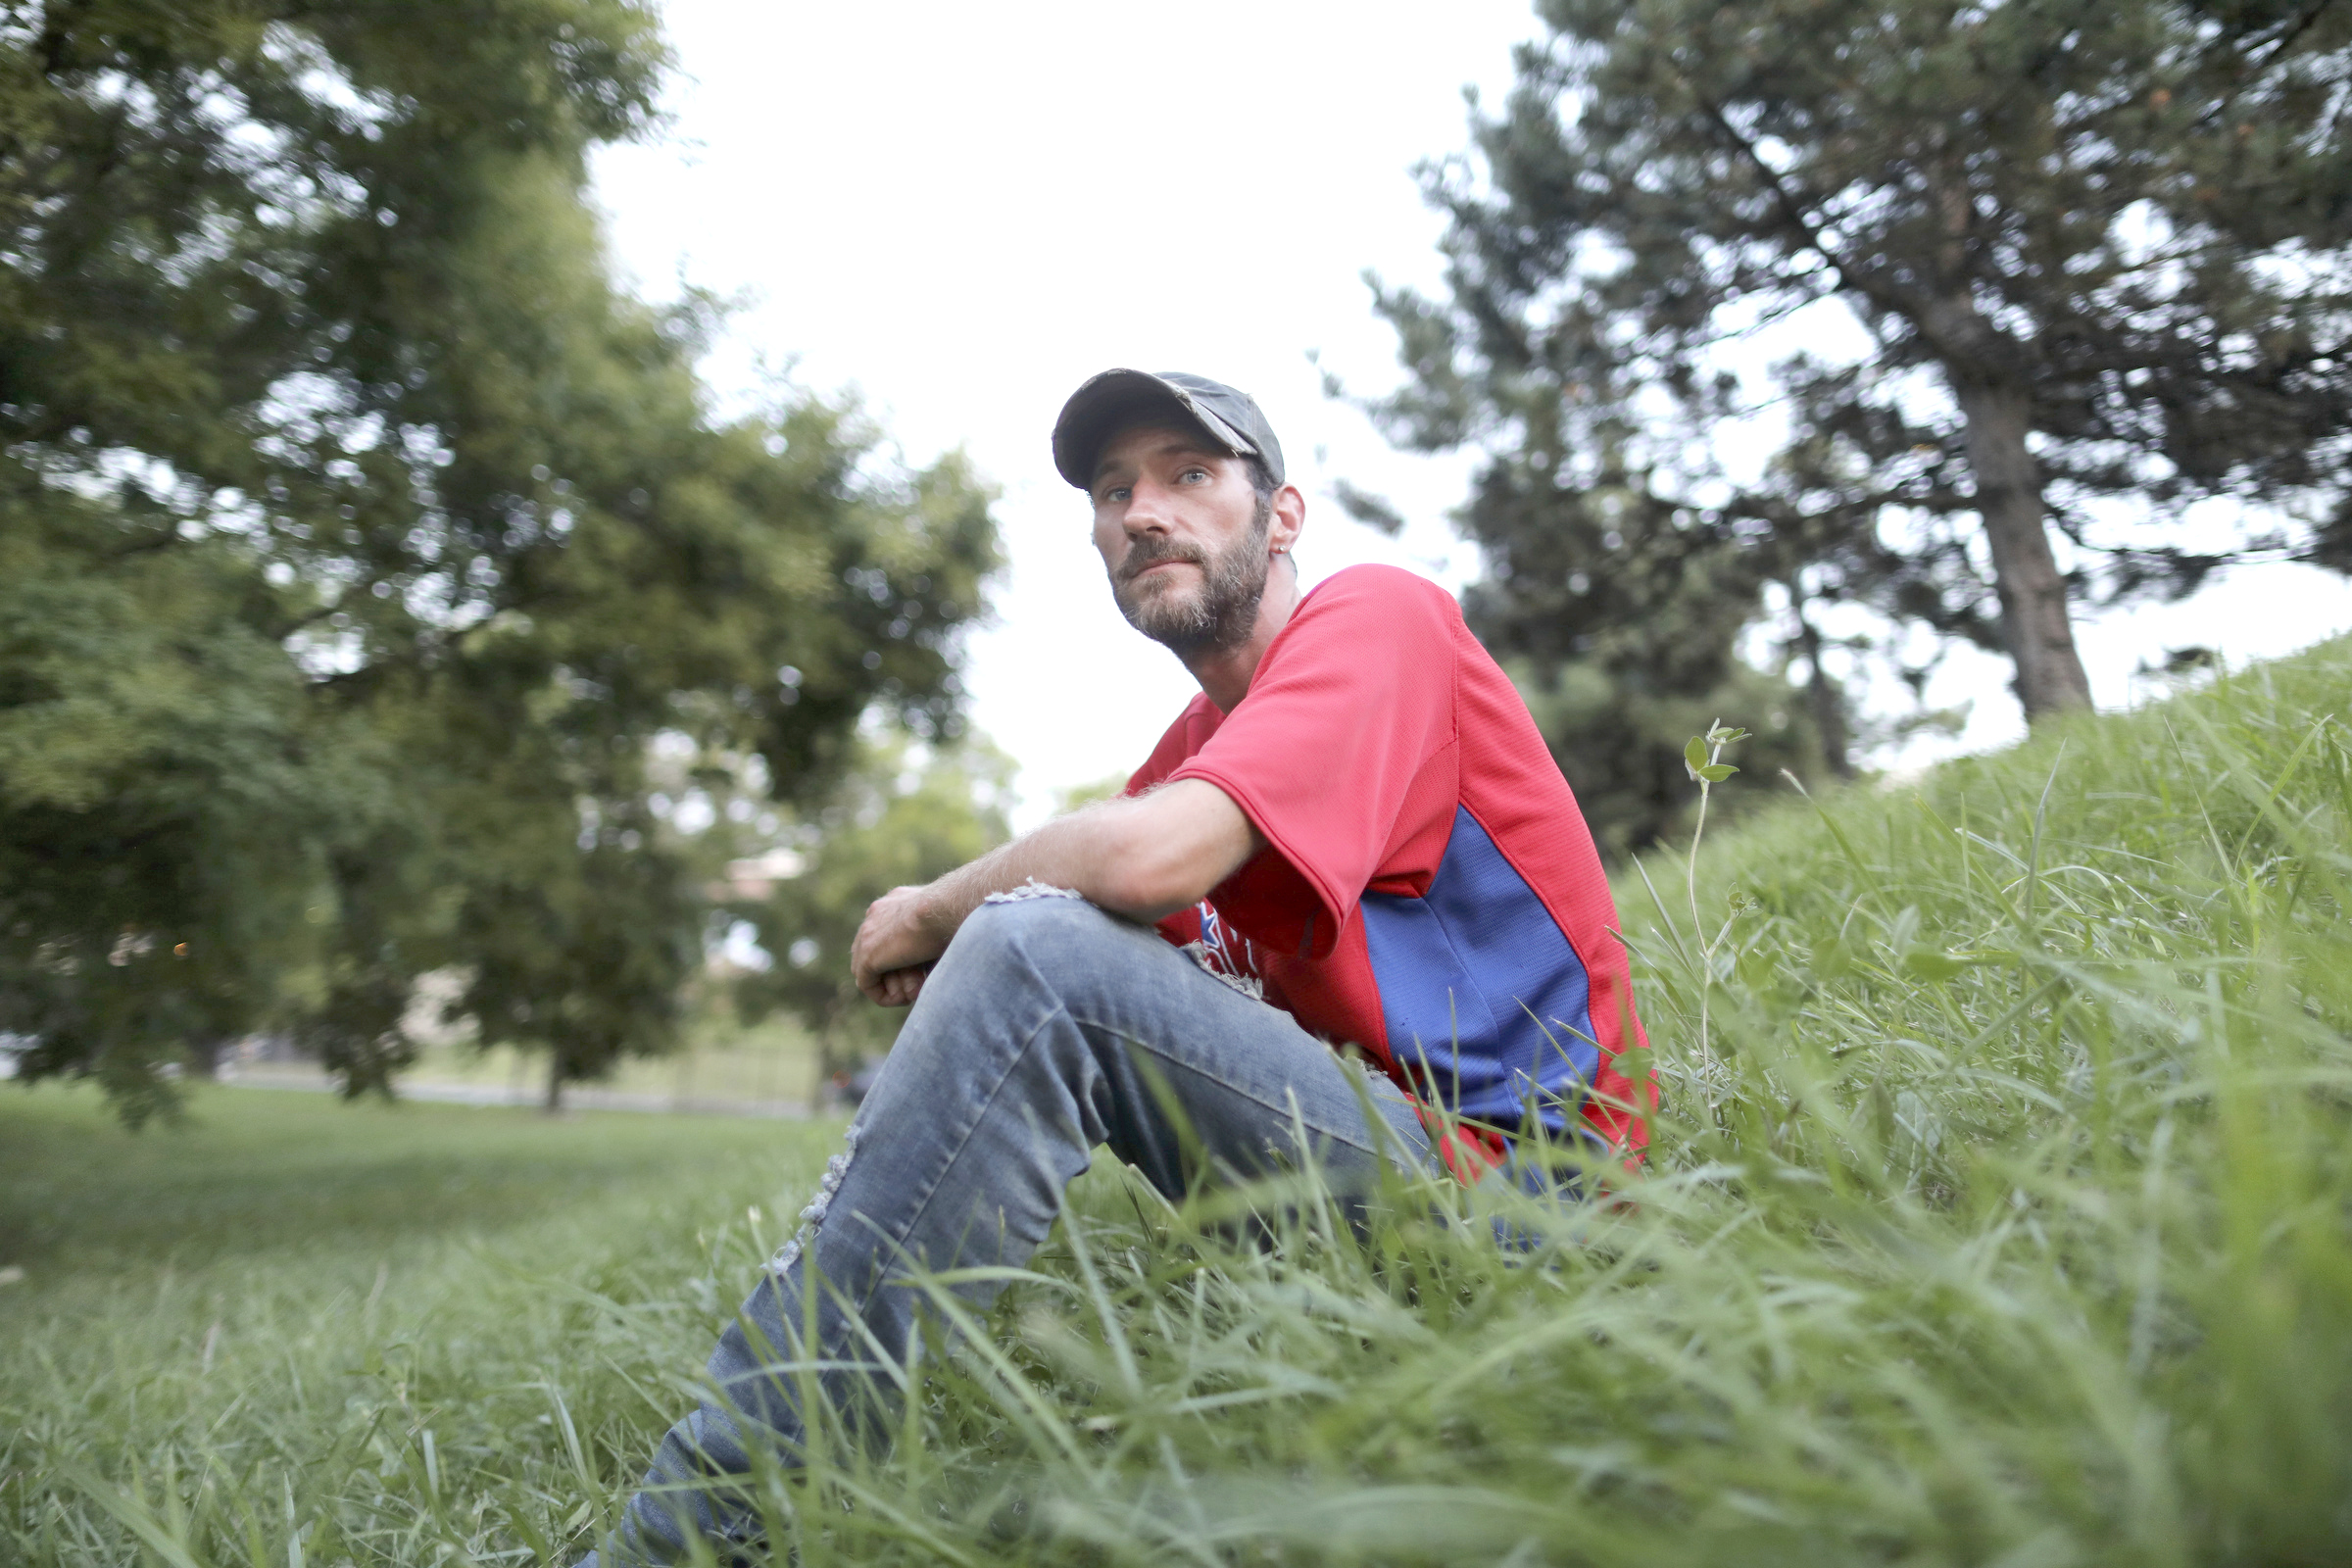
{"points": [[1145, 554]]}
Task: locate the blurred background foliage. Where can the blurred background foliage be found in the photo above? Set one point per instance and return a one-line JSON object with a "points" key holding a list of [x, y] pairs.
{"points": [[360, 541], [906, 815]]}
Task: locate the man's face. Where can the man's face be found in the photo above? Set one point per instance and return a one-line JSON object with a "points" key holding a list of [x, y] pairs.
{"points": [[1183, 535]]}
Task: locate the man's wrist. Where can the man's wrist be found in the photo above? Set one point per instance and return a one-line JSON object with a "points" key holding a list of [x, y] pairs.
{"points": [[931, 912], [937, 911]]}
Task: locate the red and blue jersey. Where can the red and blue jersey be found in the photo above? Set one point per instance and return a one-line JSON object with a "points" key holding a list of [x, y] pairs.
{"points": [[1429, 892]]}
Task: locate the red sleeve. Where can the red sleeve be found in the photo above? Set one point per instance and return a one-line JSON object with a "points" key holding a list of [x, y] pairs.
{"points": [[1351, 702], [1195, 723]]}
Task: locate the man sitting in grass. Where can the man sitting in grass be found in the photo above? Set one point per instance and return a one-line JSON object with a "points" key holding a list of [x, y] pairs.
{"points": [[1352, 838]]}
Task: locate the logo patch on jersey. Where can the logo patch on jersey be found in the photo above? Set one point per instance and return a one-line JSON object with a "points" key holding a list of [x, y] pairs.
{"points": [[1226, 953]]}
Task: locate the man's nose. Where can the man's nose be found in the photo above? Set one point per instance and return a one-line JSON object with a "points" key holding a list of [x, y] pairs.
{"points": [[1148, 510]]}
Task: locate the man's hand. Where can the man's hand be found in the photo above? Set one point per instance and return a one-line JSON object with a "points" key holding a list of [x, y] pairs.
{"points": [[895, 947]]}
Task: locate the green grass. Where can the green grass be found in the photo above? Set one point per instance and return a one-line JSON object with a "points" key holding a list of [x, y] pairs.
{"points": [[2004, 1216], [255, 1319]]}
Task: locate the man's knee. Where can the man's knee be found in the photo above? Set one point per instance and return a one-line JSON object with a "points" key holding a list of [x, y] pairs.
{"points": [[1042, 934], [1012, 964]]}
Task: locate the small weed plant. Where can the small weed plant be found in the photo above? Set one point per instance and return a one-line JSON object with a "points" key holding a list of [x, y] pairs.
{"points": [[1999, 1211]]}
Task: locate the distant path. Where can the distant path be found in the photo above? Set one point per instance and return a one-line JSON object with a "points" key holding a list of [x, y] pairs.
{"points": [[580, 1099]]}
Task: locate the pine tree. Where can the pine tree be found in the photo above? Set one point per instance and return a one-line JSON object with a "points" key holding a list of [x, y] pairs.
{"points": [[2096, 253]]}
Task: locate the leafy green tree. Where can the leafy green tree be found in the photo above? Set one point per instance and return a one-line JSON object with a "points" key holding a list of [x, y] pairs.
{"points": [[165, 804], [2092, 255], [357, 540], [903, 815]]}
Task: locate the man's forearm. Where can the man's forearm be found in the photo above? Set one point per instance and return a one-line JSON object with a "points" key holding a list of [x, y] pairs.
{"points": [[1090, 853], [1143, 857]]}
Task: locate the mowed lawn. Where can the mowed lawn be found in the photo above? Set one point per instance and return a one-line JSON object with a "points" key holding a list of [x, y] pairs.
{"points": [[259, 1177], [2000, 1212], [334, 1330]]}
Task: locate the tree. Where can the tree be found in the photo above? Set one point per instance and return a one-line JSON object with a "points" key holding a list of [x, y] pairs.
{"points": [[903, 815], [2092, 257], [165, 801], [358, 541], [1609, 728]]}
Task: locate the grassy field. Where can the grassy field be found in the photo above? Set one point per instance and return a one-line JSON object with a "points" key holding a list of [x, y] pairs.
{"points": [[297, 1331], [771, 1061], [2001, 1213]]}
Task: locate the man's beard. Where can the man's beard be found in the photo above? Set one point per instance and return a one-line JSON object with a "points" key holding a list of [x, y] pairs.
{"points": [[1221, 615]]}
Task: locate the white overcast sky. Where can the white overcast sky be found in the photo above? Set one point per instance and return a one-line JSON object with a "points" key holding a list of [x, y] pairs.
{"points": [[960, 211]]}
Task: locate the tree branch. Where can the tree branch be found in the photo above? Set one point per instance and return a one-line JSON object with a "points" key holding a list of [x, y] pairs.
{"points": [[1795, 213]]}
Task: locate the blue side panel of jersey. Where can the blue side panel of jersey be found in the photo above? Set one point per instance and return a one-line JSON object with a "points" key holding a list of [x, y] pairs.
{"points": [[1476, 981]]}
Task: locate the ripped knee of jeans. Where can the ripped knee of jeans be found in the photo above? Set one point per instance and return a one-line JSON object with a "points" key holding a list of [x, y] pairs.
{"points": [[1032, 888]]}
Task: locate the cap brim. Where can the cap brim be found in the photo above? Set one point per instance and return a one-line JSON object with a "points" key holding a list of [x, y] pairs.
{"points": [[1115, 399]]}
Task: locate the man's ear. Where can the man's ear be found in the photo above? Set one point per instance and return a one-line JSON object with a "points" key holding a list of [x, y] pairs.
{"points": [[1289, 519]]}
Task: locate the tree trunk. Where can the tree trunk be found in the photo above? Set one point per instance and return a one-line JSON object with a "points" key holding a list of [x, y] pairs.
{"points": [[1824, 698], [554, 1105], [2025, 573]]}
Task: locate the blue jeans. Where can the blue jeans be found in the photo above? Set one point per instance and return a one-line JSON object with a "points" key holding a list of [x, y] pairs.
{"points": [[1048, 1027]]}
